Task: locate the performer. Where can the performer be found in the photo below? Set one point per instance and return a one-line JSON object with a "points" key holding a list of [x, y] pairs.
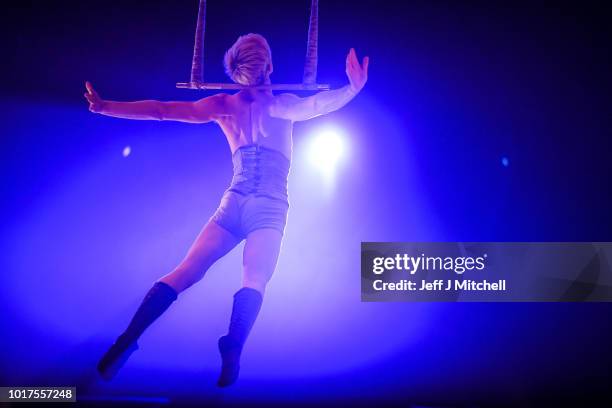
{"points": [[258, 126]]}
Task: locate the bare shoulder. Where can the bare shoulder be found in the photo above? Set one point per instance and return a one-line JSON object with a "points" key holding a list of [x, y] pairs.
{"points": [[214, 105], [216, 99], [285, 99], [282, 104]]}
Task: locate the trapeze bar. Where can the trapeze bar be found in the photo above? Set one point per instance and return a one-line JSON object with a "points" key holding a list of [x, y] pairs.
{"points": [[274, 87]]}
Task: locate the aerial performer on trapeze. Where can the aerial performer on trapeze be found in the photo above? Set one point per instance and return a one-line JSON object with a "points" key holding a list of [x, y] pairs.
{"points": [[258, 127]]}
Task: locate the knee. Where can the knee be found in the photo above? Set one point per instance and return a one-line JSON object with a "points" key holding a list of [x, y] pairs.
{"points": [[185, 275], [256, 278], [253, 284]]}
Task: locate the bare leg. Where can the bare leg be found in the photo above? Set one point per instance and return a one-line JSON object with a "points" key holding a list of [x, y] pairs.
{"points": [[259, 261], [212, 243], [260, 257]]}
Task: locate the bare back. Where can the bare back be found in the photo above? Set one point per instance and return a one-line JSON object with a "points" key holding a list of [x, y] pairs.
{"points": [[247, 120], [248, 117]]}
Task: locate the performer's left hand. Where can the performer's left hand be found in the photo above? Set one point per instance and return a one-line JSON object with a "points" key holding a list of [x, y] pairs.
{"points": [[96, 103], [357, 73]]}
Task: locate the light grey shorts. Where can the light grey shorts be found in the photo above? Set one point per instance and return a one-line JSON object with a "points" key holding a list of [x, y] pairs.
{"points": [[240, 214]]}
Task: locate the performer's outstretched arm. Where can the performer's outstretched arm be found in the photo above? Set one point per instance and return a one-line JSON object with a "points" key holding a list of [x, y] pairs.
{"points": [[202, 111], [292, 107]]}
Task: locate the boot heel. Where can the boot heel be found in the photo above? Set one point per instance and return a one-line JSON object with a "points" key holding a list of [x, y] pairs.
{"points": [[115, 358], [230, 361]]}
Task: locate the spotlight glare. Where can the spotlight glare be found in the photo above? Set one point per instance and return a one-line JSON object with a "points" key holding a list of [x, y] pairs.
{"points": [[126, 151], [326, 150]]}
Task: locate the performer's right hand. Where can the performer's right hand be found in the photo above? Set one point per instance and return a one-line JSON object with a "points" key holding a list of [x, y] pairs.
{"points": [[357, 73], [95, 102]]}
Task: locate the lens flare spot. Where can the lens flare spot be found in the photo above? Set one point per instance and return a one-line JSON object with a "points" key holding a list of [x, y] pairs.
{"points": [[327, 150]]}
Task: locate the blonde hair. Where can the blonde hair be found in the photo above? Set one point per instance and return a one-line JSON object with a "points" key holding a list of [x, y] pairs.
{"points": [[249, 60]]}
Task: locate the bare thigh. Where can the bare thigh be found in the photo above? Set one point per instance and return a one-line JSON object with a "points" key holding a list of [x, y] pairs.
{"points": [[212, 243], [260, 256]]}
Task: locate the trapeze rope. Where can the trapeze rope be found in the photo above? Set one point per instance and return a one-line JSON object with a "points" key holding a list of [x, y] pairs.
{"points": [[309, 81], [197, 64], [310, 65]]}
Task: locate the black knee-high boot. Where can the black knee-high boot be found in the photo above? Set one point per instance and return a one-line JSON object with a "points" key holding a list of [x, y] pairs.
{"points": [[247, 302], [157, 300]]}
